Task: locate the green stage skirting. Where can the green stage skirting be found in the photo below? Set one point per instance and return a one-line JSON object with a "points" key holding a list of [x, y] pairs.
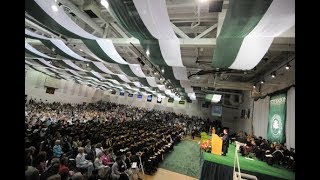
{"points": [[255, 166]]}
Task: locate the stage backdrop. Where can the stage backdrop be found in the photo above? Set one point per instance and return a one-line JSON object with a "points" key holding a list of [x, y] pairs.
{"points": [[277, 117]]}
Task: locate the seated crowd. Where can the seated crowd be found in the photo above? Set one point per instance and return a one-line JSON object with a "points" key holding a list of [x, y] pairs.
{"points": [[262, 149], [97, 140], [191, 125]]}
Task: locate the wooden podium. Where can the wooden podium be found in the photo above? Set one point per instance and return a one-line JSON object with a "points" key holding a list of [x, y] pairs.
{"points": [[216, 145]]}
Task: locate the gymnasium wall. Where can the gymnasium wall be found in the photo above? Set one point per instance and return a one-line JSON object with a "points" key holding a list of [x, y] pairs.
{"points": [[66, 92], [191, 109], [70, 92], [231, 117]]}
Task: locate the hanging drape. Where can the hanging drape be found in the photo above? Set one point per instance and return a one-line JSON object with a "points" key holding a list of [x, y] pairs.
{"points": [[260, 117], [290, 118]]}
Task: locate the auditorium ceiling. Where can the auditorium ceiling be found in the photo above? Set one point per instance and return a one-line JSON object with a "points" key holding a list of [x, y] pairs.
{"points": [[193, 22]]}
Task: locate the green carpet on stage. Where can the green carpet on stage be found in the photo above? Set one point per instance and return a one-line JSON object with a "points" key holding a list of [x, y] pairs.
{"points": [[184, 159], [249, 165]]}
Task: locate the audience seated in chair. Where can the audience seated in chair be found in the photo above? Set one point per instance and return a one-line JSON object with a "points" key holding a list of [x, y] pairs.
{"points": [[82, 162]]}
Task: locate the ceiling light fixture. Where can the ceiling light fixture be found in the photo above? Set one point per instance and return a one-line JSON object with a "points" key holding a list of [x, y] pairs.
{"points": [[254, 86], [288, 66], [273, 75], [262, 81], [148, 52], [80, 50], [87, 64], [54, 8], [105, 4], [162, 70]]}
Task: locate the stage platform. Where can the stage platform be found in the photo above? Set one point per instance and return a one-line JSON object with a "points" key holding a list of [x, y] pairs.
{"points": [[221, 167]]}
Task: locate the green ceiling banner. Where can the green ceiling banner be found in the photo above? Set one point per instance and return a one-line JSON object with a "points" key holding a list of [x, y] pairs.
{"points": [[277, 118], [241, 18], [127, 16]]}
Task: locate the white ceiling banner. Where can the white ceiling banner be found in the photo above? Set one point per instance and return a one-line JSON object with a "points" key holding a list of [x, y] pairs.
{"points": [[127, 86], [192, 96], [162, 87], [279, 17], [109, 84], [45, 62], [62, 18], [102, 67], [32, 34], [108, 48], [74, 73], [188, 90], [137, 84], [185, 84], [29, 63], [180, 73], [114, 81], [152, 81], [170, 50], [42, 69], [124, 78], [155, 17], [33, 50], [136, 69], [71, 64], [168, 92], [60, 44], [97, 75]]}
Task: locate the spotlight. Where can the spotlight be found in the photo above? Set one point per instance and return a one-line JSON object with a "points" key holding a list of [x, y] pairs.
{"points": [[105, 3], [54, 8], [162, 70], [148, 52], [87, 64], [262, 81], [197, 77], [273, 75], [288, 66], [80, 50], [254, 86]]}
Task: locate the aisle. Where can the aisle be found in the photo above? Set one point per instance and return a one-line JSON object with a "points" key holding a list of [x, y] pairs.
{"points": [[184, 159]]}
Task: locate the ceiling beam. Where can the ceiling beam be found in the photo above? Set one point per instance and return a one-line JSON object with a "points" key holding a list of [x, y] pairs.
{"points": [[179, 32], [207, 31], [119, 30], [82, 16], [36, 26], [202, 42], [226, 85]]}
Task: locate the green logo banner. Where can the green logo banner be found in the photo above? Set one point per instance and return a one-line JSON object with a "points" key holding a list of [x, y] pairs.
{"points": [[277, 117]]}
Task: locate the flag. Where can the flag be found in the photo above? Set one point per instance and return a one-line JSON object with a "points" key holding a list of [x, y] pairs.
{"points": [[276, 118]]}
